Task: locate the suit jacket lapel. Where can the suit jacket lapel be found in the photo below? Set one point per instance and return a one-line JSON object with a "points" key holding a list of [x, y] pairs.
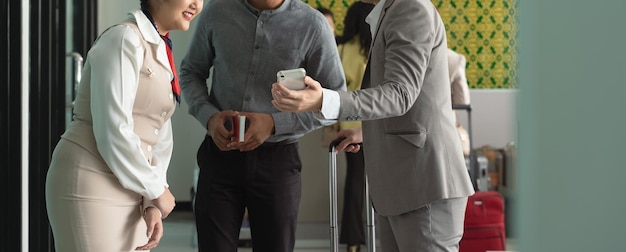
{"points": [[366, 76], [365, 83], [388, 3]]}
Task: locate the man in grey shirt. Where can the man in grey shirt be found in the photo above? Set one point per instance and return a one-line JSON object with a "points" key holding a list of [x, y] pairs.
{"points": [[247, 43]]}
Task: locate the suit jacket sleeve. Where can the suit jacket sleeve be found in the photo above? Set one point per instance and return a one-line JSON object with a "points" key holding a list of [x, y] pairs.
{"points": [[407, 47]]}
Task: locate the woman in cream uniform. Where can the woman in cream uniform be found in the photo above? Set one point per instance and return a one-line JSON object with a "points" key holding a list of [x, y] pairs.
{"points": [[106, 188]]}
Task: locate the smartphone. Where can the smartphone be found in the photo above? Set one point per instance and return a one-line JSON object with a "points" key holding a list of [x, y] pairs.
{"points": [[292, 78]]}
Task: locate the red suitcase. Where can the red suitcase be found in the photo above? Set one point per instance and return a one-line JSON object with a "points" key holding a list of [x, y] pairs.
{"points": [[484, 223]]}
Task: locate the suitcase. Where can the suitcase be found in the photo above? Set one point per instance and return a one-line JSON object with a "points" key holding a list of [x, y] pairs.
{"points": [[484, 223], [484, 228], [495, 166], [332, 183], [482, 180]]}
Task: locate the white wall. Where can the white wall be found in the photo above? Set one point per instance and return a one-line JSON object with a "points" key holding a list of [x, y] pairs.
{"points": [[113, 11], [493, 117]]}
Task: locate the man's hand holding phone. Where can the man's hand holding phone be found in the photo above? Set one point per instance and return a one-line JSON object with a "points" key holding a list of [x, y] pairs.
{"points": [[308, 99], [292, 78]]}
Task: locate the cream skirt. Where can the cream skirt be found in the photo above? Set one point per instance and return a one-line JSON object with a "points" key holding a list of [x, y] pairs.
{"points": [[88, 208]]}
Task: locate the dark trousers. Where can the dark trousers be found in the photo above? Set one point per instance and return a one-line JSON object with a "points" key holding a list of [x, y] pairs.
{"points": [[352, 223], [266, 181]]}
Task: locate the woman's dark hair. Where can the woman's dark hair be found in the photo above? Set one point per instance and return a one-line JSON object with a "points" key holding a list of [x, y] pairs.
{"points": [[143, 4], [326, 11], [354, 24]]}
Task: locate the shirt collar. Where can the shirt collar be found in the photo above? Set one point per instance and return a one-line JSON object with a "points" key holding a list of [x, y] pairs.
{"points": [[145, 27], [374, 16], [256, 12]]}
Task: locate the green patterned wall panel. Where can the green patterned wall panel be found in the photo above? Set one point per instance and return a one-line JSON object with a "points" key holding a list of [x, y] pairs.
{"points": [[482, 30], [485, 32]]}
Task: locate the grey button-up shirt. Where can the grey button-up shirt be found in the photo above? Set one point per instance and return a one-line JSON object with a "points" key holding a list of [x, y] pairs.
{"points": [[247, 47]]}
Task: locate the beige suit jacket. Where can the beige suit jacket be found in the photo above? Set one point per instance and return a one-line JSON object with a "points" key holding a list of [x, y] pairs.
{"points": [[412, 153]]}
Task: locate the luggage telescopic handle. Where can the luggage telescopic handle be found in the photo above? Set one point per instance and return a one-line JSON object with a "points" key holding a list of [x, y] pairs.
{"points": [[336, 142], [472, 169], [332, 183], [467, 108], [332, 180], [462, 107]]}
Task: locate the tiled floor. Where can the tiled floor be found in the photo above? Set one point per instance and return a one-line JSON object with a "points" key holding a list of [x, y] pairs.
{"points": [[311, 237], [179, 236]]}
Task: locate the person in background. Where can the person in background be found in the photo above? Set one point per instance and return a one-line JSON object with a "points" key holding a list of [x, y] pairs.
{"points": [[460, 93], [353, 47], [330, 17], [106, 188], [413, 158], [247, 42]]}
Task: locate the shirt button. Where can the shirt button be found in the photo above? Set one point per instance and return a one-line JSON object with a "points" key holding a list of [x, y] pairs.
{"points": [[171, 96], [150, 72], [156, 131], [149, 148], [163, 114]]}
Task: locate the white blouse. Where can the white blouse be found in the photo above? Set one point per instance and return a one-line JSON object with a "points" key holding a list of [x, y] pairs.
{"points": [[114, 82]]}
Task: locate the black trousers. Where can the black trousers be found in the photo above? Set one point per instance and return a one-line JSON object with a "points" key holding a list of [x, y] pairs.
{"points": [[266, 181], [352, 222]]}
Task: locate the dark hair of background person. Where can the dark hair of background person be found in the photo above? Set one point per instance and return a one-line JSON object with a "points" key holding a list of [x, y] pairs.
{"points": [[354, 24], [325, 11]]}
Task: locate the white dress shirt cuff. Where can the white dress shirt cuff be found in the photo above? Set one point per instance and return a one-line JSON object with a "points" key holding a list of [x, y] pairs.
{"points": [[331, 104]]}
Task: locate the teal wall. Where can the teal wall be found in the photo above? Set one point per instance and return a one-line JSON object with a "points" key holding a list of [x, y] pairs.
{"points": [[572, 133]]}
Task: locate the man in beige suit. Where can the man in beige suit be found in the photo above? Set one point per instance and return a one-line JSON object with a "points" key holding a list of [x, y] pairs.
{"points": [[413, 160]]}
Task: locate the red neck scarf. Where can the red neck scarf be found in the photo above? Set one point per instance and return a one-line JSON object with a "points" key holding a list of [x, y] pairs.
{"points": [[170, 55]]}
